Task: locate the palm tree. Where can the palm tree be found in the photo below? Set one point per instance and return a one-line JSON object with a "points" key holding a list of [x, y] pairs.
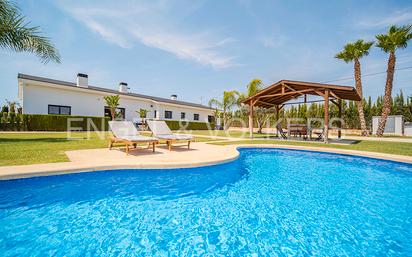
{"points": [[112, 101], [352, 52], [396, 38], [229, 100], [261, 114], [17, 35]]}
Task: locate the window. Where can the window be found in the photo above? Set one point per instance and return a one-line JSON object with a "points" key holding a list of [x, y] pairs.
{"points": [[183, 115], [196, 116], [121, 112], [210, 118], [155, 114], [59, 109], [168, 114]]}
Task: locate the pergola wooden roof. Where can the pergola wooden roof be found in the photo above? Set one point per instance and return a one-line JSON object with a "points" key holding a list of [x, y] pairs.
{"points": [[286, 90], [276, 95]]}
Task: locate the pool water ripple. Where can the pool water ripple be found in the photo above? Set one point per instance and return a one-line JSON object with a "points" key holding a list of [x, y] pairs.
{"points": [[267, 202]]}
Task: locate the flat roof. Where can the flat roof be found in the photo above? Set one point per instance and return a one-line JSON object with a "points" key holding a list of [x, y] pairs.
{"points": [[286, 90], [111, 91]]}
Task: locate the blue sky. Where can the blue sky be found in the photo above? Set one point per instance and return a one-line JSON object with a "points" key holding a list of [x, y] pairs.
{"points": [[197, 49]]}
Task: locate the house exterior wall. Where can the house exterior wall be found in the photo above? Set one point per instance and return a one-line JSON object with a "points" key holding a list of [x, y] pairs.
{"points": [[36, 96]]}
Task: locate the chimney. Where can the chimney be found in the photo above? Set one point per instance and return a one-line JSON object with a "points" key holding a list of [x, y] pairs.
{"points": [[82, 80], [123, 87], [173, 97]]}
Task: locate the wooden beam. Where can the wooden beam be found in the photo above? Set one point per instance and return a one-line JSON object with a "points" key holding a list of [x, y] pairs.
{"points": [[260, 101], [326, 118], [334, 102], [287, 93], [283, 88], [334, 95], [320, 93], [251, 119], [340, 117]]}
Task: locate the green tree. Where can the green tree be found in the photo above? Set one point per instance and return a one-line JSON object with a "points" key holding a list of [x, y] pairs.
{"points": [[396, 38], [229, 100], [352, 52], [261, 115], [112, 101], [17, 35]]}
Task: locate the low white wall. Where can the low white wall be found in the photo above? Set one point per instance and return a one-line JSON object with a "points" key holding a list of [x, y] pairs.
{"points": [[394, 125]]}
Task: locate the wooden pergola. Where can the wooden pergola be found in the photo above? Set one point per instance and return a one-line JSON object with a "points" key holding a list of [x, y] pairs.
{"points": [[278, 94]]}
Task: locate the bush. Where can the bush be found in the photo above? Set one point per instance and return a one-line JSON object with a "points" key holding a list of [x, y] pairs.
{"points": [[187, 125], [45, 122]]}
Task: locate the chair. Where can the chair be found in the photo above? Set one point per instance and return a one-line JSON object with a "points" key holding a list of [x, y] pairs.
{"points": [[125, 132], [319, 133], [160, 130], [281, 131]]}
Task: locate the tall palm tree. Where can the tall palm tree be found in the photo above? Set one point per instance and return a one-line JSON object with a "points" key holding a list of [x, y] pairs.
{"points": [[17, 35], [112, 102], [229, 100], [352, 52], [395, 38]]}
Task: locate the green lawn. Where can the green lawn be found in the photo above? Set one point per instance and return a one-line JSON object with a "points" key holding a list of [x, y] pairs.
{"points": [[365, 145], [31, 148]]}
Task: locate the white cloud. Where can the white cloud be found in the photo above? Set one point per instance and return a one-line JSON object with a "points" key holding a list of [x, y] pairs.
{"points": [[272, 41], [154, 24], [396, 18]]}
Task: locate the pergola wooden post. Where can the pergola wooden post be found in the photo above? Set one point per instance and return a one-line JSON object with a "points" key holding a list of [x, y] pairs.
{"points": [[340, 117], [251, 119], [326, 118], [278, 94]]}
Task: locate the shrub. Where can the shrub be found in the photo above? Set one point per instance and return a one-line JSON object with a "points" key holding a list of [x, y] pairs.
{"points": [[176, 125], [4, 117], [45, 122]]}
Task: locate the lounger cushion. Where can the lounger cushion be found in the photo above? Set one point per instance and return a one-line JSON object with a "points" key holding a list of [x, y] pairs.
{"points": [[175, 137], [123, 128], [138, 138], [159, 127]]}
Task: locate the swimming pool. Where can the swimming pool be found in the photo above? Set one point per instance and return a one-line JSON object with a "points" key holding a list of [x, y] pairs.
{"points": [[268, 201]]}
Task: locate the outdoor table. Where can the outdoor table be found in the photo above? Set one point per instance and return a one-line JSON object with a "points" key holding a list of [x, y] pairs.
{"points": [[298, 130]]}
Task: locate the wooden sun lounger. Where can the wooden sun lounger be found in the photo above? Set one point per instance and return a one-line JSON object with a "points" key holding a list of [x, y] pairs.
{"points": [[126, 133], [133, 141], [161, 131]]}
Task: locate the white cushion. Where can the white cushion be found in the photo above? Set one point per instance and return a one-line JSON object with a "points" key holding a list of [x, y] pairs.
{"points": [[123, 128], [159, 127]]}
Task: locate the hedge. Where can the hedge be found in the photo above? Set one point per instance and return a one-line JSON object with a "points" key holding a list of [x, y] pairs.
{"points": [[46, 122], [187, 125]]}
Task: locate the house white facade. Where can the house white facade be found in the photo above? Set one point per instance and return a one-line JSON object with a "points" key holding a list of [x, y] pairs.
{"points": [[40, 95]]}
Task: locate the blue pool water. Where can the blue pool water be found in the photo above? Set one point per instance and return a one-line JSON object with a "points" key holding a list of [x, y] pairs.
{"points": [[267, 202]]}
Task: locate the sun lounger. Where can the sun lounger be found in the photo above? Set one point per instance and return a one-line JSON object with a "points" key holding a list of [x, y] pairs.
{"points": [[125, 132], [282, 133], [161, 131]]}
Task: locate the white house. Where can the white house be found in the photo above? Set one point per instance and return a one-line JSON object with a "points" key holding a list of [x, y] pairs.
{"points": [[40, 95]]}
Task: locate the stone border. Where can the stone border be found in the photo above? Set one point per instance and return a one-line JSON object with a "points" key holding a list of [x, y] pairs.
{"points": [[76, 168], [373, 155]]}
